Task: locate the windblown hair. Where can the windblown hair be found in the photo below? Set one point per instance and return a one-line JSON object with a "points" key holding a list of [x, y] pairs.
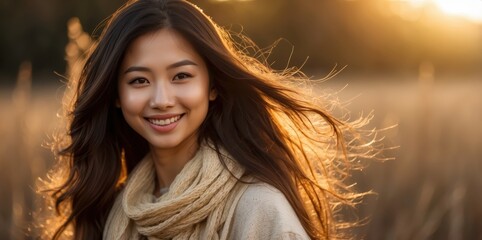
{"points": [[264, 118]]}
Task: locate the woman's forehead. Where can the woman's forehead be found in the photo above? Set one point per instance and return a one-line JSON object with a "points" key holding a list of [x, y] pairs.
{"points": [[165, 45]]}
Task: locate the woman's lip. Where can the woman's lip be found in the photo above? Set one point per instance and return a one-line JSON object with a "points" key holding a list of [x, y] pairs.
{"points": [[164, 116], [164, 128]]}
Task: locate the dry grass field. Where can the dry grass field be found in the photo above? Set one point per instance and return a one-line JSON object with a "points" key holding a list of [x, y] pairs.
{"points": [[432, 190]]}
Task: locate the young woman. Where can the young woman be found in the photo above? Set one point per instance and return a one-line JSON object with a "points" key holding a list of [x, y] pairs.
{"points": [[174, 133]]}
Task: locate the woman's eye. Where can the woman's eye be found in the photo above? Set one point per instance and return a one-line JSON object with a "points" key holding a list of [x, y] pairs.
{"points": [[139, 81], [180, 76]]}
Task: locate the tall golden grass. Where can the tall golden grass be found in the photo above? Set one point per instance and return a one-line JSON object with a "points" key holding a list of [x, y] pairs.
{"points": [[431, 191], [27, 116]]}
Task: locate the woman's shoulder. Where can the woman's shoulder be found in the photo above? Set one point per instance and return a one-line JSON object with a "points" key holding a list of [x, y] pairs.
{"points": [[261, 194], [263, 212]]}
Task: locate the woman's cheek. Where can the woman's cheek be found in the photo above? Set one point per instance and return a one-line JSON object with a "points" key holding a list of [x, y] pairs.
{"points": [[134, 100]]}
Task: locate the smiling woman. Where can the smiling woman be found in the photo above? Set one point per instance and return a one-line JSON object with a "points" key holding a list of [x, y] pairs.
{"points": [[164, 93], [174, 133]]}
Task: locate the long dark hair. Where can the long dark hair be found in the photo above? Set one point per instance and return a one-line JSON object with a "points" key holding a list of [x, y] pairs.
{"points": [[260, 117]]}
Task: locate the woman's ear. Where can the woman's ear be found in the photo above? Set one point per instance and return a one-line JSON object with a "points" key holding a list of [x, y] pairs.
{"points": [[213, 94], [117, 103]]}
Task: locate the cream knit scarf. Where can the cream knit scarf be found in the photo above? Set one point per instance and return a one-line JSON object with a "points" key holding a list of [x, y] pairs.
{"points": [[198, 205]]}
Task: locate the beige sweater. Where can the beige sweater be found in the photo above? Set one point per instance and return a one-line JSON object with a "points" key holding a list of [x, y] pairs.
{"points": [[263, 212]]}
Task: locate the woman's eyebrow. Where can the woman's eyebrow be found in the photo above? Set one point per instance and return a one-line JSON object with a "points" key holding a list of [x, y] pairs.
{"points": [[174, 65], [136, 68], [181, 63]]}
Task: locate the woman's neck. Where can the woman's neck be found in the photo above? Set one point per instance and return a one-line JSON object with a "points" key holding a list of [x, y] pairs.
{"points": [[170, 162]]}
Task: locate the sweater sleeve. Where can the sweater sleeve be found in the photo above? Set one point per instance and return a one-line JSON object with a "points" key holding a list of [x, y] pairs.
{"points": [[263, 212]]}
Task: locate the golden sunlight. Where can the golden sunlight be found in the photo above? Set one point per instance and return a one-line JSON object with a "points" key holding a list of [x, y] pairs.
{"points": [[470, 9]]}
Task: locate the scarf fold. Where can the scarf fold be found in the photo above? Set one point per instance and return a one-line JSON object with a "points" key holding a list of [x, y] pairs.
{"points": [[200, 200]]}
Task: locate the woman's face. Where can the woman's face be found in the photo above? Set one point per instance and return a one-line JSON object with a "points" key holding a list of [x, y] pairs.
{"points": [[164, 89]]}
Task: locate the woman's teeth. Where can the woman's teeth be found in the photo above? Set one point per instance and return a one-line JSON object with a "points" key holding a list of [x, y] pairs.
{"points": [[163, 122]]}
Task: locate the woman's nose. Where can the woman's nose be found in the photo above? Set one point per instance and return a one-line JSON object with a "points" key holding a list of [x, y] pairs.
{"points": [[162, 96]]}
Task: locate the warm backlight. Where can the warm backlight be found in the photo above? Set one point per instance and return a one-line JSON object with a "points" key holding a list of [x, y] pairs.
{"points": [[470, 9], [467, 8]]}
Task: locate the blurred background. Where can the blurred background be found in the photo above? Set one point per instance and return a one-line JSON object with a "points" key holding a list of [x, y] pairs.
{"points": [[416, 64]]}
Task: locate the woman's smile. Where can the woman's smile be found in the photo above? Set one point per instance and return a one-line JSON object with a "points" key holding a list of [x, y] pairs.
{"points": [[164, 124], [164, 120]]}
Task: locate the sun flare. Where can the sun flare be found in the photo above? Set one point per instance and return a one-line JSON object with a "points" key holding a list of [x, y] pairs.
{"points": [[470, 9], [467, 8]]}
